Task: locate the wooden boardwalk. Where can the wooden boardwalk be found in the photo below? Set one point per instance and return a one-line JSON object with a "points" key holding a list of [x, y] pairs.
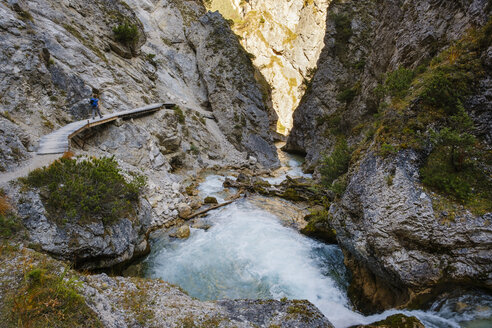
{"points": [[58, 142]]}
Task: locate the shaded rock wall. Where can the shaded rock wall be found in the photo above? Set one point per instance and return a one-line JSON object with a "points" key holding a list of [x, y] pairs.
{"points": [[236, 101], [384, 35]]}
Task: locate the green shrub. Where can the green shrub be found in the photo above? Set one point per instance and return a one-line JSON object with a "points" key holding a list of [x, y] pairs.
{"points": [[440, 175], [179, 114], [387, 149], [445, 90], [87, 189], [343, 27], [194, 149], [451, 167], [347, 95], [336, 164], [126, 33], [9, 223], [398, 82]]}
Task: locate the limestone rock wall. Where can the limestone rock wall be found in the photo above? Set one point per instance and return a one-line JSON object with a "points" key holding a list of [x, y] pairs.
{"points": [[398, 247], [54, 53], [286, 38], [236, 102]]}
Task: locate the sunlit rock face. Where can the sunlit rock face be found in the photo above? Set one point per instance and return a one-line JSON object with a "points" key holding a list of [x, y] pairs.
{"points": [[286, 38]]}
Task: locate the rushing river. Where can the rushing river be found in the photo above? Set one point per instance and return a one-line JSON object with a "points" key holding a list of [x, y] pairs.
{"points": [[249, 253]]}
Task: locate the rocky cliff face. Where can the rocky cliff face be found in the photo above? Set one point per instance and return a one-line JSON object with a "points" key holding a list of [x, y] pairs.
{"points": [[87, 245], [56, 53], [364, 41], [237, 103], [398, 246], [286, 38], [399, 240]]}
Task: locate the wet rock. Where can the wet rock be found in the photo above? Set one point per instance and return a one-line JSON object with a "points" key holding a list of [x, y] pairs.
{"points": [[183, 232], [196, 203], [297, 190], [201, 224], [242, 178], [395, 321], [184, 210], [320, 227], [210, 200]]}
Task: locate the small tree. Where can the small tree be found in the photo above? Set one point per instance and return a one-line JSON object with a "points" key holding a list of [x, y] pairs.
{"points": [[336, 164], [456, 139], [449, 168]]}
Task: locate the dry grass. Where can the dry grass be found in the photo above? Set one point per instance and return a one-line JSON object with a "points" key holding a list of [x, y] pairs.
{"points": [[4, 205]]}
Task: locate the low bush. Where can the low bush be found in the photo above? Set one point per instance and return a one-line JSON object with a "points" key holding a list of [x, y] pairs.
{"points": [[87, 189], [398, 82], [452, 166], [179, 114], [347, 95], [445, 90], [387, 149], [126, 33], [440, 175], [343, 27]]}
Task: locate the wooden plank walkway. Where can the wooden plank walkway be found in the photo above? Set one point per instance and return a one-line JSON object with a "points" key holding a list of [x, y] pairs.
{"points": [[58, 141]]}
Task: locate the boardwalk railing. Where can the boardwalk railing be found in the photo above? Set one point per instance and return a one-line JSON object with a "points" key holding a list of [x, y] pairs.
{"points": [[58, 141]]}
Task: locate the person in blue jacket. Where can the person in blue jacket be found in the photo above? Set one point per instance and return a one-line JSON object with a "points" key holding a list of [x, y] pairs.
{"points": [[94, 101]]}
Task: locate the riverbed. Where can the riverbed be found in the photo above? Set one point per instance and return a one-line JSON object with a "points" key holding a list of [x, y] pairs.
{"points": [[250, 252]]}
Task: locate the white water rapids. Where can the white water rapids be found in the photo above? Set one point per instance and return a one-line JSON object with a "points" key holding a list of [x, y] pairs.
{"points": [[249, 253]]}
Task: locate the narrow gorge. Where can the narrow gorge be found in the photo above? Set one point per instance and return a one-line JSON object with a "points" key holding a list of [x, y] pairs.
{"points": [[257, 163]]}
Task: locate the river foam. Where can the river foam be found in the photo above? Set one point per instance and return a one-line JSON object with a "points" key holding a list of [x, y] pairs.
{"points": [[248, 253]]}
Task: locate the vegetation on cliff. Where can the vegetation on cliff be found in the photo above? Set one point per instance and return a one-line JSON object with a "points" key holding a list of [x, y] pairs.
{"points": [[9, 224], [423, 107], [126, 33], [334, 166], [86, 189], [35, 292]]}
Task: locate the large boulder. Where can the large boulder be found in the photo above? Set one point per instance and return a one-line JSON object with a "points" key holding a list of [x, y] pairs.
{"points": [[88, 245], [400, 250]]}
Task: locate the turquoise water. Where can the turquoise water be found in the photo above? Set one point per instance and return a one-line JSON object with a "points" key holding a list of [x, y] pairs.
{"points": [[249, 253]]}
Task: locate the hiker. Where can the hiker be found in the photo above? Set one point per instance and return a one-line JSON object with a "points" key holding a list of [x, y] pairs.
{"points": [[95, 106]]}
